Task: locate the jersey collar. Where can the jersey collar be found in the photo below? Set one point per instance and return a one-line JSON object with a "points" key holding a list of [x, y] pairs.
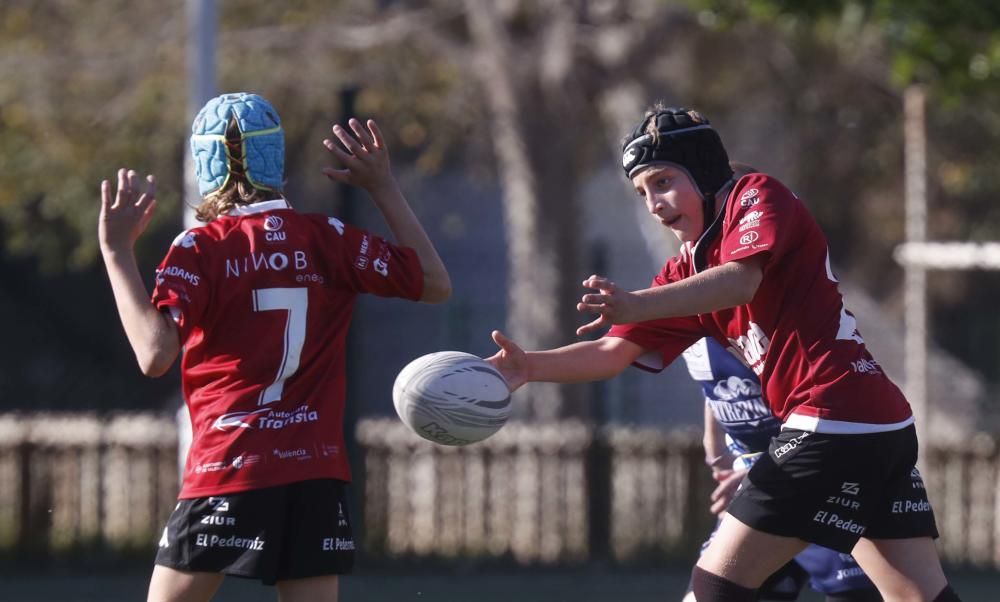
{"points": [[261, 207], [700, 248]]}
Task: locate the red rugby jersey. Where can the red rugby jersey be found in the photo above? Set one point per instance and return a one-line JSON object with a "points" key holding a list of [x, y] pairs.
{"points": [[263, 299], [795, 334]]}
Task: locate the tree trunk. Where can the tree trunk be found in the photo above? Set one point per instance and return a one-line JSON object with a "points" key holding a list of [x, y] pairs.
{"points": [[540, 214]]}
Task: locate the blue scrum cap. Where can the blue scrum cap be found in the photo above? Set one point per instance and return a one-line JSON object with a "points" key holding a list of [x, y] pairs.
{"points": [[261, 159]]}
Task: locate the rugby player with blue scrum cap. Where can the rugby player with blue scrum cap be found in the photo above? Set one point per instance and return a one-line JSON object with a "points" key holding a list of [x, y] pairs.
{"points": [[260, 299]]}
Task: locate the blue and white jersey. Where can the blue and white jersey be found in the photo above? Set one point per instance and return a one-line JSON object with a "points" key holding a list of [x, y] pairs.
{"points": [[733, 393]]}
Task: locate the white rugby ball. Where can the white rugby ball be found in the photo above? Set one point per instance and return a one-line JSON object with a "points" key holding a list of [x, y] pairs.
{"points": [[451, 398]]}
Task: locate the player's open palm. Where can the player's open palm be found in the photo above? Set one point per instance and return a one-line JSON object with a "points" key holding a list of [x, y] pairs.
{"points": [[366, 159], [611, 304], [510, 361], [126, 213]]}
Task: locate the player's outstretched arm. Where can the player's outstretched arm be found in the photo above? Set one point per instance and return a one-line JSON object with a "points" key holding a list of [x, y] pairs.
{"points": [[153, 335], [579, 362], [720, 287], [366, 164]]}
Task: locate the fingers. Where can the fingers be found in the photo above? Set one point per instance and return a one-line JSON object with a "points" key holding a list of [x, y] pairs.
{"points": [[348, 158], [362, 134], [718, 492], [133, 181], [598, 305], [349, 141], [147, 215], [122, 194], [344, 176], [335, 149], [361, 154], [149, 196], [503, 342], [376, 134], [597, 324], [105, 196], [128, 187], [591, 299], [723, 494], [338, 175], [721, 474], [366, 137], [599, 282]]}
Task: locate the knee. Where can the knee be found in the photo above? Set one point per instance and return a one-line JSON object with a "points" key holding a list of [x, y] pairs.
{"points": [[708, 587]]}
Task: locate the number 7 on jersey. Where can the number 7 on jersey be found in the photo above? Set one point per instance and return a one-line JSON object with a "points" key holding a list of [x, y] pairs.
{"points": [[296, 302]]}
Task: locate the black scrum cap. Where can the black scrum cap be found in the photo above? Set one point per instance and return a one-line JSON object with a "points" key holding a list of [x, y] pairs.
{"points": [[683, 140]]}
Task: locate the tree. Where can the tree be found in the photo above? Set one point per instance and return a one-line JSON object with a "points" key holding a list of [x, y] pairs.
{"points": [[536, 64], [951, 50], [535, 94]]}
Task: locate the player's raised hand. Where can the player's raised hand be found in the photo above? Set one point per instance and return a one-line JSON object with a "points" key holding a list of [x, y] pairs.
{"points": [[511, 361], [366, 158], [611, 304], [125, 215]]}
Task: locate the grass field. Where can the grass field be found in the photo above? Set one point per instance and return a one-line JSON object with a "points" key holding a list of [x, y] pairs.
{"points": [[437, 587]]}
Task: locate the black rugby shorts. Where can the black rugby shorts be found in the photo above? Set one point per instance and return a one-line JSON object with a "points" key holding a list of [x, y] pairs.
{"points": [[834, 489], [272, 534]]}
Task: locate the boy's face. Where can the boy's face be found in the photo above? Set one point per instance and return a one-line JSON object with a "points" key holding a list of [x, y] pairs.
{"points": [[672, 199]]}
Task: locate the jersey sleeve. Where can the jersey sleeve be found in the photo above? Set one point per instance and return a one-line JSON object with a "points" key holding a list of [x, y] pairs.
{"points": [[370, 264], [665, 339], [762, 220], [182, 288]]}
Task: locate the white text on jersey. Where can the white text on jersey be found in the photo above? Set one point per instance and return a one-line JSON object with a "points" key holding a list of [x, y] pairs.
{"points": [[255, 262]]}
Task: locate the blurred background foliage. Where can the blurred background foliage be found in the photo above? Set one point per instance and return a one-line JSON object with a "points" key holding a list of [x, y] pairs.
{"points": [[808, 91]]}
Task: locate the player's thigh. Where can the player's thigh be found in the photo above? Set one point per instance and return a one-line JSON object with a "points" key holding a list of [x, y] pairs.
{"points": [[310, 589], [902, 569], [745, 555], [172, 585]]}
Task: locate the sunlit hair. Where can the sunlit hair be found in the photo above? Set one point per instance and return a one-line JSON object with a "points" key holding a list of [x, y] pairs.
{"points": [[237, 190], [659, 107]]}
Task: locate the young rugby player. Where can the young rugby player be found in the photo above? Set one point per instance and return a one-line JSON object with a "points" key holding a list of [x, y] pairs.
{"points": [[260, 299], [754, 274]]}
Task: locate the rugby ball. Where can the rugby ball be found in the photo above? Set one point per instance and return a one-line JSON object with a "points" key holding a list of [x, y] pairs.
{"points": [[451, 398]]}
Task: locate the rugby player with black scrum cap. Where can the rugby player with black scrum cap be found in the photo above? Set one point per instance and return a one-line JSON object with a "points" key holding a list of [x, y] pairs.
{"points": [[753, 273]]}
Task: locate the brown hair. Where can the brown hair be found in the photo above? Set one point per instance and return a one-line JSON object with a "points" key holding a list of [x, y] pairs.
{"points": [[238, 190], [659, 107]]}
